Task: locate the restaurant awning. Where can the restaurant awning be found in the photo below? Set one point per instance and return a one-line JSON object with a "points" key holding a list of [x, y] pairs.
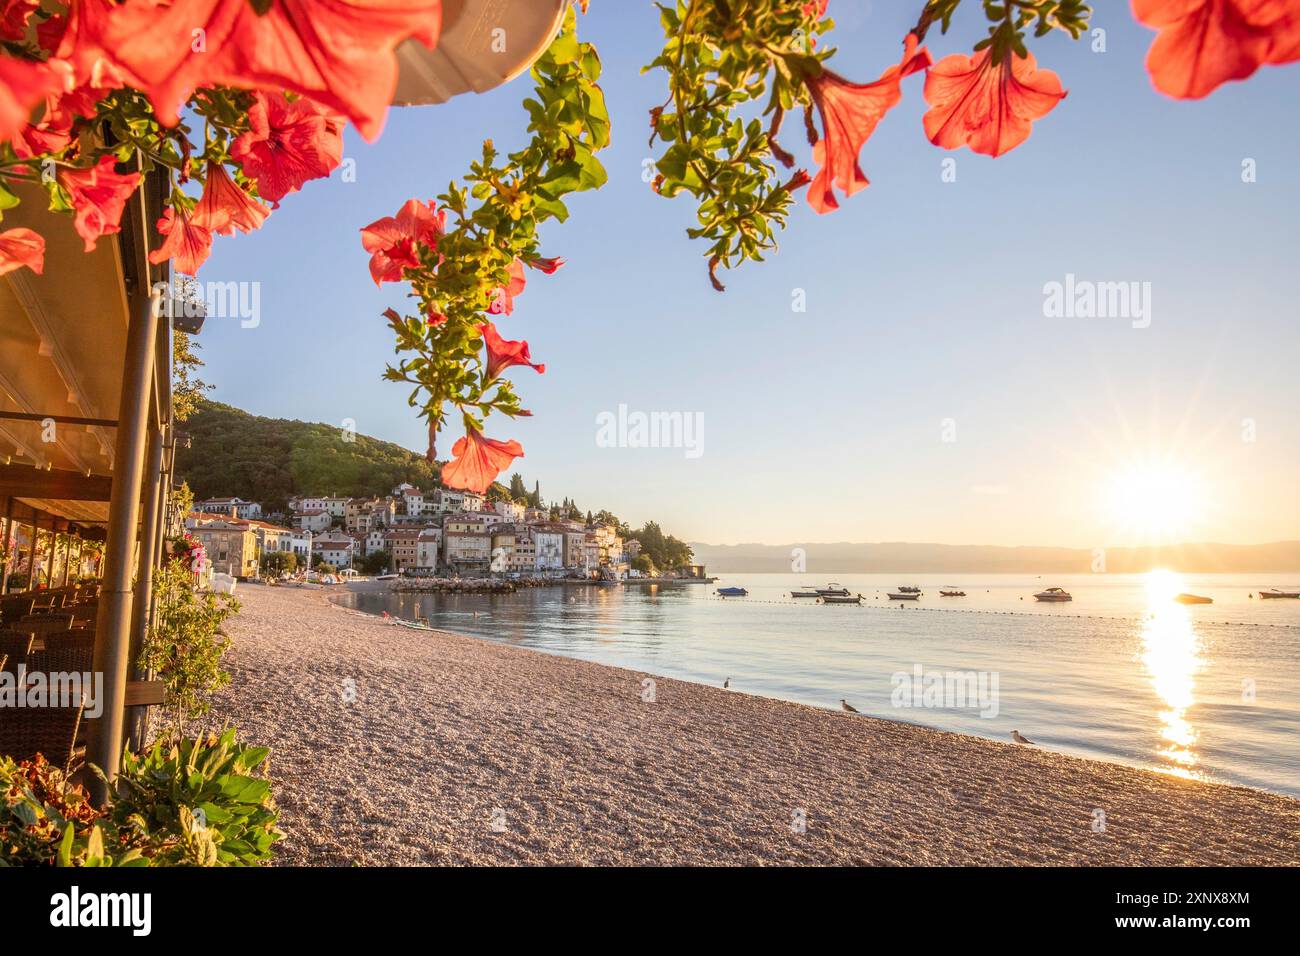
{"points": [[484, 43]]}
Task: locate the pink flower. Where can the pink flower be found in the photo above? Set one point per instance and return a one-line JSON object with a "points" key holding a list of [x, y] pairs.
{"points": [[502, 354], [187, 245], [340, 53], [226, 206], [503, 297], [850, 113], [990, 108], [99, 195], [21, 247], [394, 242], [549, 266], [477, 461], [290, 143]]}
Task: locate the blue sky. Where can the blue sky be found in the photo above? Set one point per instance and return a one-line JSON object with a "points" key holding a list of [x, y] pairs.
{"points": [[924, 304]]}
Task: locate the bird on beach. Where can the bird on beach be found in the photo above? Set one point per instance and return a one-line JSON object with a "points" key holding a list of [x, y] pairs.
{"points": [[726, 684], [847, 706], [1020, 738]]}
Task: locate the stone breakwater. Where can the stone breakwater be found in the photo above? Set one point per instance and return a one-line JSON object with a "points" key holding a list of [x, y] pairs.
{"points": [[466, 585]]}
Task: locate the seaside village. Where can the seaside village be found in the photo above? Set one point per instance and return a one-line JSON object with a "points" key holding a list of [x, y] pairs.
{"points": [[410, 533]]}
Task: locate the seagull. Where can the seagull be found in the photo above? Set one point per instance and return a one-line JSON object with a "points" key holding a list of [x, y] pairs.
{"points": [[726, 684], [847, 706], [1020, 738]]}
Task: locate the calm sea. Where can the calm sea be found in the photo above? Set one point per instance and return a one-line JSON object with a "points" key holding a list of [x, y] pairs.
{"points": [[1121, 673]]}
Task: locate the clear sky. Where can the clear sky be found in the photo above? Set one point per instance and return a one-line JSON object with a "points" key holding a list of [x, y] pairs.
{"points": [[924, 395]]}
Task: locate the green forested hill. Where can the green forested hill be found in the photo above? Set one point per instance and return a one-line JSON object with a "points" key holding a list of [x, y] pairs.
{"points": [[269, 459]]}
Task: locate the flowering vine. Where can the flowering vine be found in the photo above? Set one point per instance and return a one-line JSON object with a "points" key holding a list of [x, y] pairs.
{"points": [[722, 55], [468, 255], [244, 101]]}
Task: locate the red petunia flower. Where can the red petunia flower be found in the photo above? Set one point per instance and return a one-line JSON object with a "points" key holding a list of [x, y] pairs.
{"points": [[187, 245], [988, 107], [394, 241], [549, 266], [23, 84], [477, 461], [21, 247], [502, 353], [226, 206], [503, 297], [850, 113], [1205, 43], [338, 52], [14, 15], [99, 195], [289, 144]]}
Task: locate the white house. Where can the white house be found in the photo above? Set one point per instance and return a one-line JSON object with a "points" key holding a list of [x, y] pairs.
{"points": [[548, 547], [248, 510], [429, 548], [313, 520]]}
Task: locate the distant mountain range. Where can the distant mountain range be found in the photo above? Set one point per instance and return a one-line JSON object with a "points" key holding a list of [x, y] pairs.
{"points": [[890, 557]]}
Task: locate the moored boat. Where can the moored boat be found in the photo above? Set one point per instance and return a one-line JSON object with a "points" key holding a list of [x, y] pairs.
{"points": [[909, 589], [804, 594], [835, 589], [952, 593], [1193, 599], [904, 595], [1054, 594], [841, 599], [732, 592], [1278, 593]]}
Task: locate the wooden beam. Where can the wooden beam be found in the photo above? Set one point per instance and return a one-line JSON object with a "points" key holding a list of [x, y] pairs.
{"points": [[145, 693], [23, 481]]}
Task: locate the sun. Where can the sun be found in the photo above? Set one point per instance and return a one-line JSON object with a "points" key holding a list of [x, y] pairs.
{"points": [[1155, 501]]}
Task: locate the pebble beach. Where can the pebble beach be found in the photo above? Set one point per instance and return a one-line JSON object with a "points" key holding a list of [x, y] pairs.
{"points": [[393, 746]]}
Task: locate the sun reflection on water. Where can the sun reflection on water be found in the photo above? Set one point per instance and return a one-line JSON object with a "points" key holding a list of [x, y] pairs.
{"points": [[1171, 654]]}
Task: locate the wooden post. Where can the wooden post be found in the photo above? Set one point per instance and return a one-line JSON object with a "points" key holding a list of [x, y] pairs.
{"points": [[113, 625]]}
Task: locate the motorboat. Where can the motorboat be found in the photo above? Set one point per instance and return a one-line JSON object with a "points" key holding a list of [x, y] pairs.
{"points": [[1054, 594], [841, 599], [904, 595], [732, 592], [804, 594], [835, 589], [952, 593], [1193, 599], [909, 589], [1278, 593]]}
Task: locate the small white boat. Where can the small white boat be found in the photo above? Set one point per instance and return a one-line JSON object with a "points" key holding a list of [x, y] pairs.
{"points": [[904, 595], [834, 589], [840, 599], [1054, 594]]}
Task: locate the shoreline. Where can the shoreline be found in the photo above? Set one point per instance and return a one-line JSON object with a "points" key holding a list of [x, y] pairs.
{"points": [[458, 749]]}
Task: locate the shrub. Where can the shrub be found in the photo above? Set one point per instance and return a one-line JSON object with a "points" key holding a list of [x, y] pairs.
{"points": [[184, 644], [185, 803]]}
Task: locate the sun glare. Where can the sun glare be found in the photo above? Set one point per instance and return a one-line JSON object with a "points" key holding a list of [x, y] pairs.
{"points": [[1156, 501]]}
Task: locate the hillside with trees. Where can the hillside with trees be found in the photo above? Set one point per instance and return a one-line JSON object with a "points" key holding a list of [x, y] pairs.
{"points": [[271, 459]]}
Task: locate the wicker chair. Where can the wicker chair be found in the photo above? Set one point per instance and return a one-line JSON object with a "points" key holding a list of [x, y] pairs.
{"points": [[45, 623], [16, 646], [71, 653], [14, 607], [50, 731]]}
